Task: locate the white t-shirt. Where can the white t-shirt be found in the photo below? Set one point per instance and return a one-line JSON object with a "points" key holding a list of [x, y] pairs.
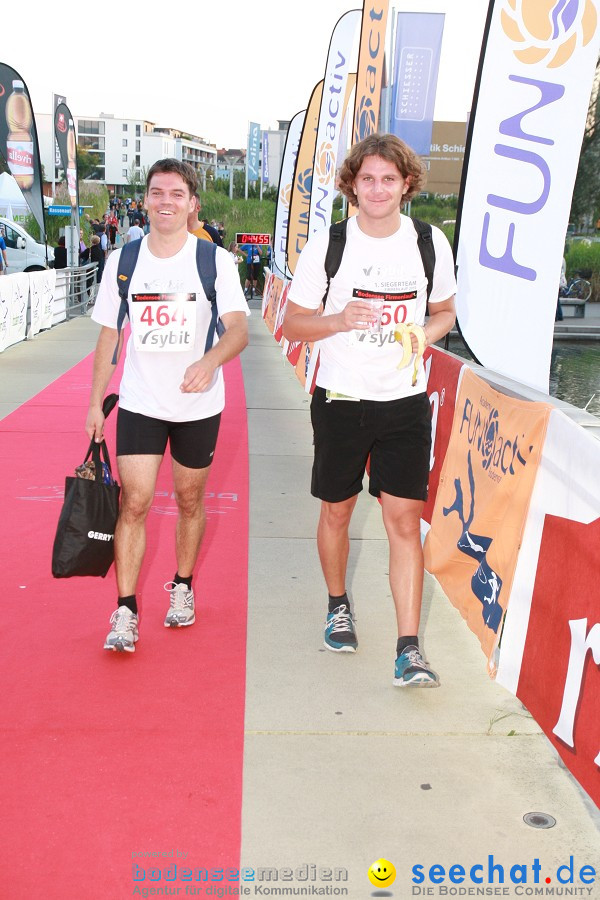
{"points": [[167, 325], [357, 363], [135, 232]]}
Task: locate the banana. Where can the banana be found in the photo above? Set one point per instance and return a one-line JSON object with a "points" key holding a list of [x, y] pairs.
{"points": [[403, 336]]}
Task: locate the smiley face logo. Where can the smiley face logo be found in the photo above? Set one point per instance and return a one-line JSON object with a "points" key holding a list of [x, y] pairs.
{"points": [[382, 873]]}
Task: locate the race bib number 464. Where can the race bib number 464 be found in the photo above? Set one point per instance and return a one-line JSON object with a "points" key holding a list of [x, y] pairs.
{"points": [[163, 323]]}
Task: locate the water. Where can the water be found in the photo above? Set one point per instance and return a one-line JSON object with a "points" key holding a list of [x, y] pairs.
{"points": [[574, 372]]}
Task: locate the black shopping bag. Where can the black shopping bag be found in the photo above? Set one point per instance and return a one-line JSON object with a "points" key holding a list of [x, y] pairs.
{"points": [[84, 542]]}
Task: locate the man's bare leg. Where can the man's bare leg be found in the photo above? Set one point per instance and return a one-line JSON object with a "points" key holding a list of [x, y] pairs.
{"points": [[401, 518], [333, 543], [190, 487], [138, 476], [334, 548]]}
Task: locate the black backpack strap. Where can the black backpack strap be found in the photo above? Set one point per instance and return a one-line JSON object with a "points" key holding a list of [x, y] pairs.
{"points": [[127, 262], [206, 261], [335, 251], [427, 250]]}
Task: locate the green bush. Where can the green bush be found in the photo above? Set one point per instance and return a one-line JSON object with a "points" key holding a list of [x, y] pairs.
{"points": [[94, 196], [585, 254], [250, 215]]}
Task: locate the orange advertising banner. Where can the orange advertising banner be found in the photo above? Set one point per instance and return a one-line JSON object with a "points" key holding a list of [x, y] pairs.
{"points": [[482, 502], [370, 69], [271, 302], [297, 233]]}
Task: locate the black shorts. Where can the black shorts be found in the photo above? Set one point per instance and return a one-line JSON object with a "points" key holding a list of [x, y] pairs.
{"points": [[192, 443], [252, 271], [395, 433]]}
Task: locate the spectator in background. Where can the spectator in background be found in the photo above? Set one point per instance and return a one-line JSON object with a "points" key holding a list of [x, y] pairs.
{"points": [[561, 288], [234, 252], [113, 227], [3, 259], [60, 254], [252, 252], [200, 227], [84, 250], [135, 232], [97, 256]]}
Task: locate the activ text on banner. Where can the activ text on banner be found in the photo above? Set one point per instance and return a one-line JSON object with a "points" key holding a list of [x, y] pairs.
{"points": [[331, 114], [525, 136], [482, 501], [418, 45], [297, 233], [369, 73], [284, 191]]}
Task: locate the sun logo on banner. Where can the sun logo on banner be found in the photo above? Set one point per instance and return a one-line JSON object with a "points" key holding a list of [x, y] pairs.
{"points": [[364, 121], [304, 182], [325, 161], [548, 32], [285, 195]]}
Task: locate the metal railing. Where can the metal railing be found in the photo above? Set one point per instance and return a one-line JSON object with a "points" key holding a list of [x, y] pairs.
{"points": [[79, 287]]}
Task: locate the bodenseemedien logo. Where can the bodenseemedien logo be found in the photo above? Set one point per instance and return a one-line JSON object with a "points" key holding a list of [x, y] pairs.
{"points": [[548, 33]]}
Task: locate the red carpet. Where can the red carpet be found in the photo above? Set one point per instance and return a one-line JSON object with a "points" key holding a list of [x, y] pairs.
{"points": [[108, 758]]}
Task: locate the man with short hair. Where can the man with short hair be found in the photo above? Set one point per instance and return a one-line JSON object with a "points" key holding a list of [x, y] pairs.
{"points": [[200, 227], [171, 391], [135, 231], [363, 405]]}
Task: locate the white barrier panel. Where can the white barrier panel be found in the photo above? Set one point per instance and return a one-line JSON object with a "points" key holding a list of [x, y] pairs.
{"points": [[61, 292], [34, 317], [14, 300], [48, 289], [41, 301]]}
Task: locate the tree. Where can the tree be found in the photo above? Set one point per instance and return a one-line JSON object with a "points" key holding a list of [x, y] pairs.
{"points": [[87, 165], [136, 179], [585, 205]]}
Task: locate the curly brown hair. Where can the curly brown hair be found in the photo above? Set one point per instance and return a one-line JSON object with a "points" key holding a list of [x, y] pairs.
{"points": [[390, 148]]}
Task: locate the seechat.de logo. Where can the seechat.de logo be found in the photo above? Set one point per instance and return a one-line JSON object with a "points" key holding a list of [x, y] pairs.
{"points": [[548, 33], [325, 161]]}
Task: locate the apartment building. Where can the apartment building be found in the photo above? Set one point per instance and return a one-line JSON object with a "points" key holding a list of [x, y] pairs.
{"points": [[126, 146]]}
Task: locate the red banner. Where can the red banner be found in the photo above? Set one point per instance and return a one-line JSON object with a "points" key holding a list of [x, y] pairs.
{"points": [[443, 373]]}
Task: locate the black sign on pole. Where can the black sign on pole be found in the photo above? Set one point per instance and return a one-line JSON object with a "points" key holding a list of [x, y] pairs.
{"points": [[64, 132], [19, 141]]}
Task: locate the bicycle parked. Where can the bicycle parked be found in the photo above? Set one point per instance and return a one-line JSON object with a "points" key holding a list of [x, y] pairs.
{"points": [[578, 287]]}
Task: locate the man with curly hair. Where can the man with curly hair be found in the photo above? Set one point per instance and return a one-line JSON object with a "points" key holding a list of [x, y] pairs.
{"points": [[363, 405]]}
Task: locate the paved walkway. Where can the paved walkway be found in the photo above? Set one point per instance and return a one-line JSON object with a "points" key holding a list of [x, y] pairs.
{"points": [[341, 768]]}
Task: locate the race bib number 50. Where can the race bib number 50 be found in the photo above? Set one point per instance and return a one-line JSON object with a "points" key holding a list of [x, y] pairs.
{"points": [[163, 323]]}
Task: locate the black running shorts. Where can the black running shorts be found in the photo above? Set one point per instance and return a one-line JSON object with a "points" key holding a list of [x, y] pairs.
{"points": [[396, 434], [192, 444]]}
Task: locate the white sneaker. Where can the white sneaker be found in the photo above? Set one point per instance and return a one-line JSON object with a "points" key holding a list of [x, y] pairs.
{"points": [[181, 611], [124, 630]]}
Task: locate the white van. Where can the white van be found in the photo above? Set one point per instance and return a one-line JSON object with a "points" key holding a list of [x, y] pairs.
{"points": [[22, 252]]}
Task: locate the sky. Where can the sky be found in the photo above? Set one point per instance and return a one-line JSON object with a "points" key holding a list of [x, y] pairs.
{"points": [[210, 67]]}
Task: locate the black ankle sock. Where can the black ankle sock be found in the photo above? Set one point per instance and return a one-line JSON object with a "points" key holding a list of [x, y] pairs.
{"points": [[334, 602], [187, 581], [404, 642], [130, 602]]}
